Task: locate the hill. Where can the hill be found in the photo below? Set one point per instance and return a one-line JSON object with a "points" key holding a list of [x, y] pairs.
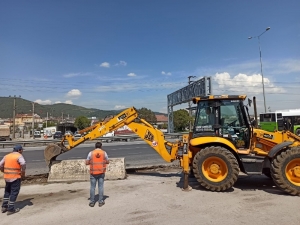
{"points": [[55, 110]]}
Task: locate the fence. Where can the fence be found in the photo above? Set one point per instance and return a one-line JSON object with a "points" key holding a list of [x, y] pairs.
{"points": [[35, 142]]}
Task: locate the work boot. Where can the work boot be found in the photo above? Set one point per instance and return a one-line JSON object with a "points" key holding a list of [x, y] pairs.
{"points": [[101, 203], [4, 210], [14, 211], [92, 204]]}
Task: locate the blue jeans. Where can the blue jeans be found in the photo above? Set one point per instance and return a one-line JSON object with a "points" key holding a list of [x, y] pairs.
{"points": [[11, 193], [94, 179]]}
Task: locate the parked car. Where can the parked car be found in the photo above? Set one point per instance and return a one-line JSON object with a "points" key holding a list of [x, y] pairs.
{"points": [[76, 134], [68, 132], [58, 135], [37, 134]]}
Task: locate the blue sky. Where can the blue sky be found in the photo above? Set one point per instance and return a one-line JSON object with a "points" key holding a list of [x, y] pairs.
{"points": [[117, 54]]}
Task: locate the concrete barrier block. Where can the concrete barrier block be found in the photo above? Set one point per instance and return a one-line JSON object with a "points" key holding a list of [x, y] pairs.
{"points": [[76, 170], [115, 170]]}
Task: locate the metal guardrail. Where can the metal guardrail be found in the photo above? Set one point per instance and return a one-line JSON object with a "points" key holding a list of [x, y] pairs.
{"points": [[35, 142]]}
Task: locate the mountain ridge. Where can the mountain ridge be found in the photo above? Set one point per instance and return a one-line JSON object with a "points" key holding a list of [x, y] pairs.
{"points": [[24, 106]]}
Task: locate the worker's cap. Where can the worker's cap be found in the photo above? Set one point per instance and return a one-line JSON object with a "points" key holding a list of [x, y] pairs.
{"points": [[18, 148]]}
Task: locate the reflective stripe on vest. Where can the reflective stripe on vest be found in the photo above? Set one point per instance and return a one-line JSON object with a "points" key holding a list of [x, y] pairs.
{"points": [[98, 162], [12, 168]]}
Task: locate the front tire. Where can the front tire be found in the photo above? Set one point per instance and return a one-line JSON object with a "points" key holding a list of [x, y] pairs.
{"points": [[285, 170], [215, 168]]}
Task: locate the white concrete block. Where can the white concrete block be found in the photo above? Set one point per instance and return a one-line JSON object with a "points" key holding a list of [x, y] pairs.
{"points": [[76, 170]]}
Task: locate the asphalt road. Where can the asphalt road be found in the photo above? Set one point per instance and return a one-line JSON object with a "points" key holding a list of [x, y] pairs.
{"points": [[136, 154]]}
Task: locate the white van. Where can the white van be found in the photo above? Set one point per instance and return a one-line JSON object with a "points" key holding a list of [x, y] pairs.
{"points": [[37, 134]]}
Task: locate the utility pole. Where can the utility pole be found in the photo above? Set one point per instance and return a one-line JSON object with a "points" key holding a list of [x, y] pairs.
{"points": [[190, 110], [47, 120], [33, 120], [14, 114], [14, 118]]}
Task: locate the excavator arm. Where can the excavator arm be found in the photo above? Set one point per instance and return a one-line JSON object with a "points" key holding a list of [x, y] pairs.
{"points": [[154, 137]]}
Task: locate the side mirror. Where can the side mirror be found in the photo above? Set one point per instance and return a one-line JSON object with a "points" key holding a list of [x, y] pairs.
{"points": [[253, 123], [249, 102]]}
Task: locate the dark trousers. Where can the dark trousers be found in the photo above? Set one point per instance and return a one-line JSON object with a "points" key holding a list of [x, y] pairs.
{"points": [[11, 193]]}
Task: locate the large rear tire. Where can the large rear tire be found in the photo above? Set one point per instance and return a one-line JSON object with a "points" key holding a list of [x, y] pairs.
{"points": [[215, 168], [285, 170]]}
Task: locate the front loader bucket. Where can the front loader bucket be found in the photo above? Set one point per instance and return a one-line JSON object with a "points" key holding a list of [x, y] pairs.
{"points": [[51, 152]]}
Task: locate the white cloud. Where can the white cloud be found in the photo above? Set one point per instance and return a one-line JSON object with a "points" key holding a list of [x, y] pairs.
{"points": [[243, 83], [287, 66], [121, 63], [43, 102], [66, 102], [69, 102], [139, 86], [163, 110], [75, 93], [68, 75], [105, 64], [131, 74], [119, 107], [117, 88], [166, 73]]}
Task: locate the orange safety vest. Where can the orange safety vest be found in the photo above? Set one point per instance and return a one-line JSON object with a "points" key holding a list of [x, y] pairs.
{"points": [[12, 168], [98, 162]]}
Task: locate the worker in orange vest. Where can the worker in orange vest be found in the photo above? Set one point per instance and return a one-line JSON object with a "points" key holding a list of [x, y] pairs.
{"points": [[13, 166], [97, 159]]}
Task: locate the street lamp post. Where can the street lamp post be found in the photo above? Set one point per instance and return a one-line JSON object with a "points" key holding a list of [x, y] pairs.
{"points": [[190, 110], [261, 70]]}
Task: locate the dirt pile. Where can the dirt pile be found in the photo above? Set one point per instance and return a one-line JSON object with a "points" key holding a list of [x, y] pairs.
{"points": [[42, 178], [35, 179]]}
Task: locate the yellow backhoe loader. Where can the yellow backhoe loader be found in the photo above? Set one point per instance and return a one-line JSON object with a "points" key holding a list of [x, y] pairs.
{"points": [[223, 143]]}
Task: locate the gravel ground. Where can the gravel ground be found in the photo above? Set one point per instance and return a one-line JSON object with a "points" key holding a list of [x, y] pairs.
{"points": [[155, 197]]}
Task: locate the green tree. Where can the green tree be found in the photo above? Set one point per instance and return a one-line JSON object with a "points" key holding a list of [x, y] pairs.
{"points": [[147, 115], [82, 122], [162, 126], [181, 120]]}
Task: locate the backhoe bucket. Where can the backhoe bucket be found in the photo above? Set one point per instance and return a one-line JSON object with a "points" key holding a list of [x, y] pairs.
{"points": [[51, 152]]}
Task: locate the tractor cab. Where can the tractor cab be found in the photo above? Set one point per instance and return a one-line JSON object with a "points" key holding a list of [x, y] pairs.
{"points": [[223, 116]]}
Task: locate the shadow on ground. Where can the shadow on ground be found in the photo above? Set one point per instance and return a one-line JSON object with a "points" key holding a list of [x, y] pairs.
{"points": [[244, 182], [97, 197], [26, 202]]}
